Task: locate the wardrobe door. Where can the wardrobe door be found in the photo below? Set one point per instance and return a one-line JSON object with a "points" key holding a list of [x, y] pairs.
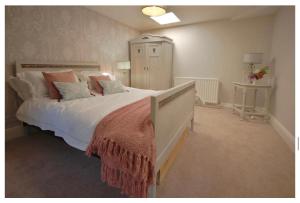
{"points": [[139, 60], [155, 77]]}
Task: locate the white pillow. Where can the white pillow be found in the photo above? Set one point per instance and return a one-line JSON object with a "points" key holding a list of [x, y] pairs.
{"points": [[22, 87], [37, 81], [73, 90]]}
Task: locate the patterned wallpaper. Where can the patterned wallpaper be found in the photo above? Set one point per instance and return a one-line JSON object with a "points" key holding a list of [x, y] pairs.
{"points": [[60, 33]]}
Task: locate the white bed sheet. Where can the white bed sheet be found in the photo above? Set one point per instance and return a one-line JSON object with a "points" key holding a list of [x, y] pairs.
{"points": [[76, 120]]}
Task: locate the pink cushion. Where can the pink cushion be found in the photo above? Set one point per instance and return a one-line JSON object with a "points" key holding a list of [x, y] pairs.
{"points": [[57, 77], [95, 84]]}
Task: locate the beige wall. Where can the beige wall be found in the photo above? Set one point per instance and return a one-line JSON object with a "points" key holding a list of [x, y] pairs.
{"points": [[60, 34], [215, 49], [283, 53]]}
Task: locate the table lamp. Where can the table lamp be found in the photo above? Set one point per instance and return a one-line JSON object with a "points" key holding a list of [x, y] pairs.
{"points": [[123, 65]]}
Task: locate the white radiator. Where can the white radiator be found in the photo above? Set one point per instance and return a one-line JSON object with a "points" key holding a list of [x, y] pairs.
{"points": [[207, 88]]}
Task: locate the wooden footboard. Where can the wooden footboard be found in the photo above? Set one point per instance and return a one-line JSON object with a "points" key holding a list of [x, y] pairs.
{"points": [[171, 111]]}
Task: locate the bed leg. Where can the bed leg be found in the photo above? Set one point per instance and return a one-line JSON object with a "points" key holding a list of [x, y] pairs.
{"points": [[152, 191], [152, 188], [158, 178], [26, 129], [29, 130], [192, 124]]}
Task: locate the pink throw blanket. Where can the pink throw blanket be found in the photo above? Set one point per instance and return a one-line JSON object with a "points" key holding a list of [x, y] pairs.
{"points": [[124, 140]]}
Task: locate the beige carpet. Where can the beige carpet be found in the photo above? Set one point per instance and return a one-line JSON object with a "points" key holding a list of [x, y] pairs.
{"points": [[227, 157], [224, 157]]}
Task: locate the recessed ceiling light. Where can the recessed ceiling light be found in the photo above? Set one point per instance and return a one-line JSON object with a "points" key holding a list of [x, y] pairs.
{"points": [[166, 18], [153, 11]]}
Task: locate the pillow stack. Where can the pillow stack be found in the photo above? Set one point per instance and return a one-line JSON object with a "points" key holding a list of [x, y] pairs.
{"points": [[66, 77], [30, 84], [63, 84], [96, 86]]}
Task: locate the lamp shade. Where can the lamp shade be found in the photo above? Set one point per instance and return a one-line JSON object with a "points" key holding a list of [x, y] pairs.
{"points": [[253, 58], [124, 65]]}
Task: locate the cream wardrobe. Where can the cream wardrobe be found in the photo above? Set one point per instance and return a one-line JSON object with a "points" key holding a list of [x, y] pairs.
{"points": [[151, 62]]}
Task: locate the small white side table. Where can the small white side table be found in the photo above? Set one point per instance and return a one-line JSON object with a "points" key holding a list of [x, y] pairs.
{"points": [[244, 110]]}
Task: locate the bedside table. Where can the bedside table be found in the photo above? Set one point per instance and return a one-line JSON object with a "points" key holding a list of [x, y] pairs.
{"points": [[244, 110]]}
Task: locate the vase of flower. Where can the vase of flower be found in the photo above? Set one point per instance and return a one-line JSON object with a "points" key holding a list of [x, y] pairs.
{"points": [[258, 74]]}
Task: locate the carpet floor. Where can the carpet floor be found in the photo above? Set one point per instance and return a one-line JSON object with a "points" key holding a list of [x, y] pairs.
{"points": [[223, 157]]}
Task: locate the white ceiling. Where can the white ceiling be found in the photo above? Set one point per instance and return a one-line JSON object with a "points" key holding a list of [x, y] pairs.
{"points": [[133, 17]]}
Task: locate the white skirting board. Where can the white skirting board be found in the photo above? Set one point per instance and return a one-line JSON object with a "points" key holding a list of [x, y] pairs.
{"points": [[286, 135], [227, 105], [14, 132]]}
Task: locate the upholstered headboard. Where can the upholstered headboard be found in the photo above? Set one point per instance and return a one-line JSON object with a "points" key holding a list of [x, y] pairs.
{"points": [[22, 66]]}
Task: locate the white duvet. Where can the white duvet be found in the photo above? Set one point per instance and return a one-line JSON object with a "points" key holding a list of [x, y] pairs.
{"points": [[76, 120]]}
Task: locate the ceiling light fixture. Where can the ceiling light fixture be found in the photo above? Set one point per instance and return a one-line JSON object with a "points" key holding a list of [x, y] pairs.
{"points": [[153, 11], [166, 18]]}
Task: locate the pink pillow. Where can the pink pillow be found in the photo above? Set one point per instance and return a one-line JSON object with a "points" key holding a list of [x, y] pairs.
{"points": [[95, 84], [57, 77]]}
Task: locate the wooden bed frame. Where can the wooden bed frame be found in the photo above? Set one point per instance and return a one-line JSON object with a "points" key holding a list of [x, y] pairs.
{"points": [[172, 112]]}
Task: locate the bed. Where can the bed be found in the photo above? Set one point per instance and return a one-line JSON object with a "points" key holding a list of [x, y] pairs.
{"points": [[75, 120]]}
